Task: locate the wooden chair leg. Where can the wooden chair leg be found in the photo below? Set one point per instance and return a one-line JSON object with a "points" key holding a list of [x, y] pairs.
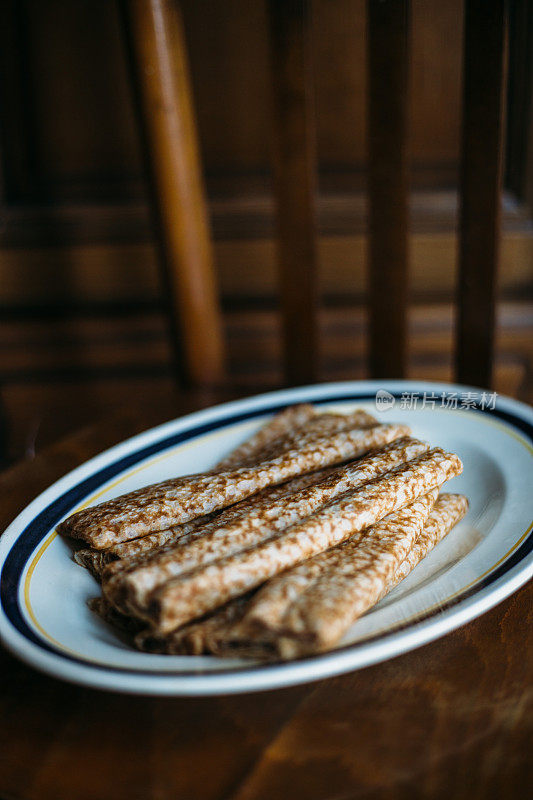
{"points": [[157, 53], [484, 79], [388, 212], [295, 184]]}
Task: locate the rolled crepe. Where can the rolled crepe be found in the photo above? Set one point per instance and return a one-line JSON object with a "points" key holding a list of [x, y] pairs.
{"points": [[125, 555], [321, 425], [273, 437], [193, 594], [278, 426], [179, 500], [97, 560], [284, 430], [102, 609], [446, 513], [193, 639], [351, 583], [203, 525], [274, 430], [130, 590], [247, 627], [345, 583]]}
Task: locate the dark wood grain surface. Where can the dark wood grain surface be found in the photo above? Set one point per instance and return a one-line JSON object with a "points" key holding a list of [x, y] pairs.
{"points": [[449, 720]]}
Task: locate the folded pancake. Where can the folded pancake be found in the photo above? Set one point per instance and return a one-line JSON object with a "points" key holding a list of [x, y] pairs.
{"points": [[251, 627], [446, 513], [193, 639], [180, 534], [360, 573], [179, 500], [97, 560], [285, 429], [193, 594], [282, 423], [102, 609], [276, 428], [125, 555], [130, 589], [321, 425], [273, 436], [347, 582]]}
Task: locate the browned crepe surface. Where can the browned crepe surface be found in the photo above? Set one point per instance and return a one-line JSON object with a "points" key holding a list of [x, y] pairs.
{"points": [[195, 593], [255, 522], [235, 630], [179, 500]]}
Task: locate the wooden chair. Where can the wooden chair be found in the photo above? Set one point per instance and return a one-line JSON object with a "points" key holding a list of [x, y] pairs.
{"points": [[154, 33]]}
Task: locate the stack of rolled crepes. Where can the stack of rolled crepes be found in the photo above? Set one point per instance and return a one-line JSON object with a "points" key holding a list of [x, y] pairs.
{"points": [[280, 548]]}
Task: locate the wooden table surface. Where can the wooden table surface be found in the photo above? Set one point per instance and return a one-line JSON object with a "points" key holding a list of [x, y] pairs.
{"points": [[449, 720]]}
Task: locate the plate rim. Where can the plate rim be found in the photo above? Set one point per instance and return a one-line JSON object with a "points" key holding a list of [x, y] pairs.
{"points": [[259, 677]]}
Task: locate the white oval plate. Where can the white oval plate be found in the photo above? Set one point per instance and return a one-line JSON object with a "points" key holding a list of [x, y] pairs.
{"points": [[44, 617]]}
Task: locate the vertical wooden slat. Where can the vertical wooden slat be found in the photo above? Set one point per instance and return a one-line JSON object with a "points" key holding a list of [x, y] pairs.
{"points": [[484, 74], [295, 183], [156, 46], [388, 25]]}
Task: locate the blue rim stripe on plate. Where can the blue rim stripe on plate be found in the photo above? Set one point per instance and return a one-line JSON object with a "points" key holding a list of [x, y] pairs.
{"points": [[47, 519]]}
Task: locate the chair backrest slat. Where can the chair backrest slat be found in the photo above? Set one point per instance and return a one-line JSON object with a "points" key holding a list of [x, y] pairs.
{"points": [[156, 47], [388, 26], [484, 74], [295, 168]]}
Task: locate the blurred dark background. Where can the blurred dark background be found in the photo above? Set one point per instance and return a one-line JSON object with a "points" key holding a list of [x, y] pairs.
{"points": [[83, 330]]}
